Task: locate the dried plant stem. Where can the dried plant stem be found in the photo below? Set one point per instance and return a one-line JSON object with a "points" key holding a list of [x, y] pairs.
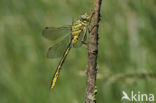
{"points": [[92, 54]]}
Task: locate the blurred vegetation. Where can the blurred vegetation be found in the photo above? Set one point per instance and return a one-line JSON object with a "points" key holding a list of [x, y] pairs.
{"points": [[126, 45]]}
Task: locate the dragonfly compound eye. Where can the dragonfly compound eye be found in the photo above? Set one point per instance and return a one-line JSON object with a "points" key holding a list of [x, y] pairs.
{"points": [[83, 16]]}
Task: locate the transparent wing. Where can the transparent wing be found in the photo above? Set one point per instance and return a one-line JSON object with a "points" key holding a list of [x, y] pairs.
{"points": [[52, 33], [59, 48]]}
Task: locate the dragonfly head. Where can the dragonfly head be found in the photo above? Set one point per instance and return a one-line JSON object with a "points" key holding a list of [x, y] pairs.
{"points": [[85, 17]]}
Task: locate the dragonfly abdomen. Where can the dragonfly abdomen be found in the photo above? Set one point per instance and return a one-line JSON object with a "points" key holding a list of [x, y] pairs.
{"points": [[55, 77]]}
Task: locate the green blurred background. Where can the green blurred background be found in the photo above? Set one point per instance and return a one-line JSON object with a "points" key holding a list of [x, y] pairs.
{"points": [[127, 45]]}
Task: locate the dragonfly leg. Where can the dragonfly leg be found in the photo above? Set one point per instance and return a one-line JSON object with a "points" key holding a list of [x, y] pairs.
{"points": [[84, 35], [90, 20], [89, 30], [91, 17], [83, 41]]}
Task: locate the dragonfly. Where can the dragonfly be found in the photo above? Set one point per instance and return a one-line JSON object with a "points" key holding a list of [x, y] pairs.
{"points": [[67, 36]]}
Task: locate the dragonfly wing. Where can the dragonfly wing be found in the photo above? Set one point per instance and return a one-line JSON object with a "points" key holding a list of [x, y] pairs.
{"points": [[52, 33], [59, 48]]}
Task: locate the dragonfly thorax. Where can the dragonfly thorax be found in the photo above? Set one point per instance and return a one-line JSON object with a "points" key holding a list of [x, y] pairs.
{"points": [[78, 26]]}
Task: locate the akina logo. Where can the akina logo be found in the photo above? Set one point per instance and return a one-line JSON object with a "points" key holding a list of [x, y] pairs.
{"points": [[140, 97]]}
